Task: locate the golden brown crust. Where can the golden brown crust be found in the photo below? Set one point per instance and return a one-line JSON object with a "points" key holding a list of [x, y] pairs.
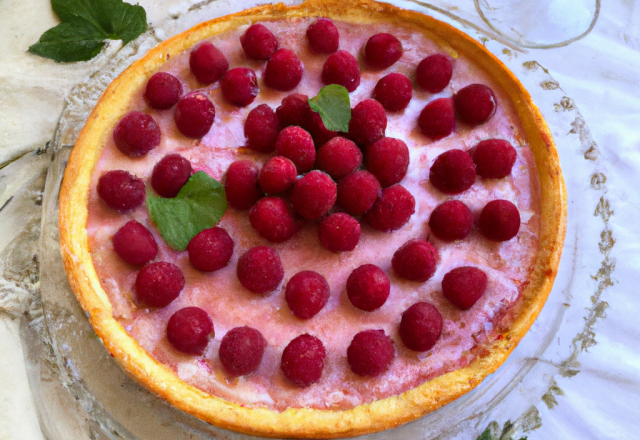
{"points": [[305, 423]]}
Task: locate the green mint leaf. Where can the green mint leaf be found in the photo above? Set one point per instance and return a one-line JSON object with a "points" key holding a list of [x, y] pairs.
{"points": [[70, 41], [486, 435], [199, 205], [334, 107]]}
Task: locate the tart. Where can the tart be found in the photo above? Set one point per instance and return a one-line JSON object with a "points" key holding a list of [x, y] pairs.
{"points": [[400, 261]]}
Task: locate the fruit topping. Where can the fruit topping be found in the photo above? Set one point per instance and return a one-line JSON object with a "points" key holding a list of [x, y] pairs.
{"points": [[136, 134], [296, 144], [261, 129], [121, 191], [339, 232], [392, 210], [475, 103], [210, 250], [323, 36], [368, 287], [420, 327], [453, 172], [277, 175], [494, 158], [188, 330], [370, 353], [313, 195], [434, 73], [358, 192], [163, 90], [368, 122], [307, 293], [260, 270], [258, 42], [499, 220], [437, 119], [393, 92], [388, 160], [303, 360], [415, 260], [194, 115], [464, 286], [241, 350], [241, 184], [284, 70], [273, 218], [342, 68], [135, 244], [159, 283], [207, 63], [382, 51], [170, 174], [240, 86], [320, 134], [294, 110], [339, 157], [451, 220]]}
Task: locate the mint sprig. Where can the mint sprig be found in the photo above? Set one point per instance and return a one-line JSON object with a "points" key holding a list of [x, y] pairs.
{"points": [[334, 107], [86, 24]]}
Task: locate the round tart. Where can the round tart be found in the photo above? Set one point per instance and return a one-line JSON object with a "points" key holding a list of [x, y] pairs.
{"points": [[314, 312]]}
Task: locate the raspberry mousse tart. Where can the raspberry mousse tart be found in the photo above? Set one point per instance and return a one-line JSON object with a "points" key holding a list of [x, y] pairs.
{"points": [[322, 220]]}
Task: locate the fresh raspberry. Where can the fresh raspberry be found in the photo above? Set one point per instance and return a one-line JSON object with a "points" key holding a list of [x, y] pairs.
{"points": [[368, 287], [494, 158], [415, 260], [342, 68], [313, 195], [307, 293], [294, 110], [370, 353], [393, 92], [284, 70], [368, 122], [135, 244], [388, 160], [339, 232], [358, 192], [453, 172], [437, 119], [382, 51], [320, 134], [452, 220], [273, 218], [159, 283], [207, 63], [210, 250], [194, 115], [296, 144], [136, 134], [121, 191], [188, 330], [339, 157], [241, 350], [170, 174], [240, 86], [303, 360], [260, 270], [261, 129], [464, 286], [434, 73], [420, 327], [499, 220], [163, 90], [241, 184], [392, 210], [323, 36], [475, 103], [258, 42], [277, 175]]}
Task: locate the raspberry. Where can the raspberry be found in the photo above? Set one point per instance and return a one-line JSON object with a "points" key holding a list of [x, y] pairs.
{"points": [[163, 90], [499, 220], [368, 122], [370, 353], [136, 134], [261, 129], [157, 284], [453, 172], [194, 115], [393, 92], [392, 210], [368, 287], [437, 119], [303, 360], [339, 157], [207, 63], [313, 195], [170, 174], [320, 134], [277, 175], [323, 36], [358, 192], [296, 144], [241, 350], [188, 330], [464, 286], [434, 73], [339, 232], [273, 219], [307, 293], [475, 103], [210, 250], [342, 68], [240, 86], [258, 42], [382, 51], [420, 327], [494, 158], [260, 270], [241, 184], [294, 110], [284, 70], [135, 244], [452, 220], [415, 260], [388, 160], [121, 191]]}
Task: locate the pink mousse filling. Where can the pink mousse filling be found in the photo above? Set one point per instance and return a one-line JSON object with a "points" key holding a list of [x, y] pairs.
{"points": [[465, 333]]}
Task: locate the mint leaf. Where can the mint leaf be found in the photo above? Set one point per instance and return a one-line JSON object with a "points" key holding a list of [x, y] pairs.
{"points": [[486, 435], [334, 107], [199, 205], [69, 42]]}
